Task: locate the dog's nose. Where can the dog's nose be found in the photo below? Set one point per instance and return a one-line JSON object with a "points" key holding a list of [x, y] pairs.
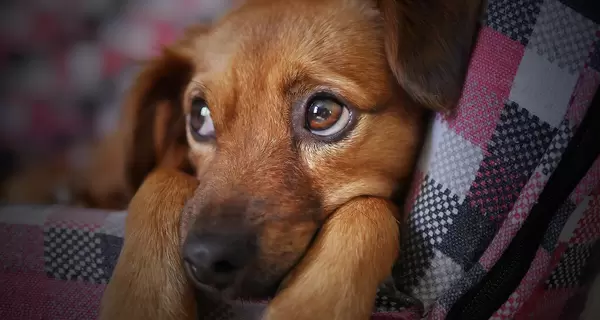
{"points": [[216, 260]]}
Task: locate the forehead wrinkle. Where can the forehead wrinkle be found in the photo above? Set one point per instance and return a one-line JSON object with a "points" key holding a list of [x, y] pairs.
{"points": [[296, 79], [280, 62], [256, 113]]}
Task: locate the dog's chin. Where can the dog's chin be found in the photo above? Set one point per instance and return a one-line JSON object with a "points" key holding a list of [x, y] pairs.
{"points": [[213, 304], [249, 290]]}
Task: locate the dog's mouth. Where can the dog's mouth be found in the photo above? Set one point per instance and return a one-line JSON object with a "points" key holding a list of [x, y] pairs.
{"points": [[206, 289], [246, 288]]}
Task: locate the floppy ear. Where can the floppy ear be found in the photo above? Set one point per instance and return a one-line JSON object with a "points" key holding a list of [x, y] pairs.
{"points": [[153, 121], [428, 45]]}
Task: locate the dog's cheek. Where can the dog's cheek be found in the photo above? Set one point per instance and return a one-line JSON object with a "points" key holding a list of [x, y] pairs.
{"points": [[189, 213], [184, 225], [200, 156], [380, 155]]}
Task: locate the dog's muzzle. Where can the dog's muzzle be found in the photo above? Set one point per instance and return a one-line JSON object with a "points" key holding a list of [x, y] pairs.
{"points": [[216, 259]]}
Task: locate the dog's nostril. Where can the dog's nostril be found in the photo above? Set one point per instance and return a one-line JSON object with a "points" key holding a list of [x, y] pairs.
{"points": [[216, 260], [224, 266]]}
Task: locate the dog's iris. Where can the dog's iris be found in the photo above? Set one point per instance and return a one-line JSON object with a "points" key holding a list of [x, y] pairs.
{"points": [[326, 117], [200, 121]]}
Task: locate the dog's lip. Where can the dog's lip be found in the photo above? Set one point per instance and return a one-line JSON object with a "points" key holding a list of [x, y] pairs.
{"points": [[221, 294], [191, 272]]}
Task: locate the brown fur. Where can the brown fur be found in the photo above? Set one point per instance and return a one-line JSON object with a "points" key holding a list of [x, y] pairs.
{"points": [[321, 210], [149, 259], [351, 269], [133, 291]]}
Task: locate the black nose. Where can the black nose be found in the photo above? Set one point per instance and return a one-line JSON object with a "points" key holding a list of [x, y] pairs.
{"points": [[217, 259]]}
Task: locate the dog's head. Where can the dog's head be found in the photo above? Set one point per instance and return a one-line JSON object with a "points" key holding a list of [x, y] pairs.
{"points": [[288, 109]]}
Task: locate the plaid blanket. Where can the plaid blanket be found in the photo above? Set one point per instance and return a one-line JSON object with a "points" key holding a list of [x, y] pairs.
{"points": [[55, 261], [535, 69]]}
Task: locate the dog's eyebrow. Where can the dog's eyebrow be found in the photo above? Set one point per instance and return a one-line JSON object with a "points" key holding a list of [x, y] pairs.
{"points": [[305, 80], [348, 88], [197, 85]]}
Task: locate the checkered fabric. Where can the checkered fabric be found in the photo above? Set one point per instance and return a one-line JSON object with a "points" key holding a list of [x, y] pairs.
{"points": [[55, 263], [534, 71]]}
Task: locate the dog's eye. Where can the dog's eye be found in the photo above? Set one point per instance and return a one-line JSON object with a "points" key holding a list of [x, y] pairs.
{"points": [[199, 120], [325, 116]]}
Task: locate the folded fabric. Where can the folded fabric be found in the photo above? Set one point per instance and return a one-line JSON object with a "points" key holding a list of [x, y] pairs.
{"points": [[56, 261]]}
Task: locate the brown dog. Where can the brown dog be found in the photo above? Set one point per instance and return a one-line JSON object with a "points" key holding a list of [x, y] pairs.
{"points": [[302, 119]]}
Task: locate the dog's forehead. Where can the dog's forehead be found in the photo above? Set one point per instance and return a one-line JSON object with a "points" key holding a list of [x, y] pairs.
{"points": [[272, 44]]}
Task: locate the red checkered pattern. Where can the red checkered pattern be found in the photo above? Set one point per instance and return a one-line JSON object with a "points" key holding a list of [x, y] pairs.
{"points": [[437, 313], [493, 66], [535, 275], [549, 283], [516, 217], [545, 304], [22, 248], [588, 227], [34, 296]]}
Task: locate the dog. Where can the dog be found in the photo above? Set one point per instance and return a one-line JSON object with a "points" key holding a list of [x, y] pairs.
{"points": [[300, 120]]}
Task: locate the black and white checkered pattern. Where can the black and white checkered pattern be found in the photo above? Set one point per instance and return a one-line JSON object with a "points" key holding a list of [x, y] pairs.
{"points": [[563, 36], [468, 236], [74, 255], [570, 269], [556, 148], [517, 145], [513, 18], [432, 214], [455, 163], [443, 272], [390, 299], [557, 223], [458, 288]]}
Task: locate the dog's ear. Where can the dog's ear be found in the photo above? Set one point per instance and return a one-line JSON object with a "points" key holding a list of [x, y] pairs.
{"points": [[428, 45], [153, 121]]}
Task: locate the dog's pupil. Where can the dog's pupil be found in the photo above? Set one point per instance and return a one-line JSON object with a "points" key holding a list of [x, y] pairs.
{"points": [[321, 112], [324, 113], [196, 120]]}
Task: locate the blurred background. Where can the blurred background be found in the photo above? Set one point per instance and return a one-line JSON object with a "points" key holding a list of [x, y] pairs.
{"points": [[66, 64]]}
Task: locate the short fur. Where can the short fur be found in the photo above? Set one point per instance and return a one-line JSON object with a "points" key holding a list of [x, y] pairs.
{"points": [[322, 211]]}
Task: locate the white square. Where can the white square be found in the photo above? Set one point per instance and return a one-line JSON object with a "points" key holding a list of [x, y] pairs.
{"points": [[563, 36], [432, 140], [455, 163], [543, 88], [114, 224], [441, 274]]}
